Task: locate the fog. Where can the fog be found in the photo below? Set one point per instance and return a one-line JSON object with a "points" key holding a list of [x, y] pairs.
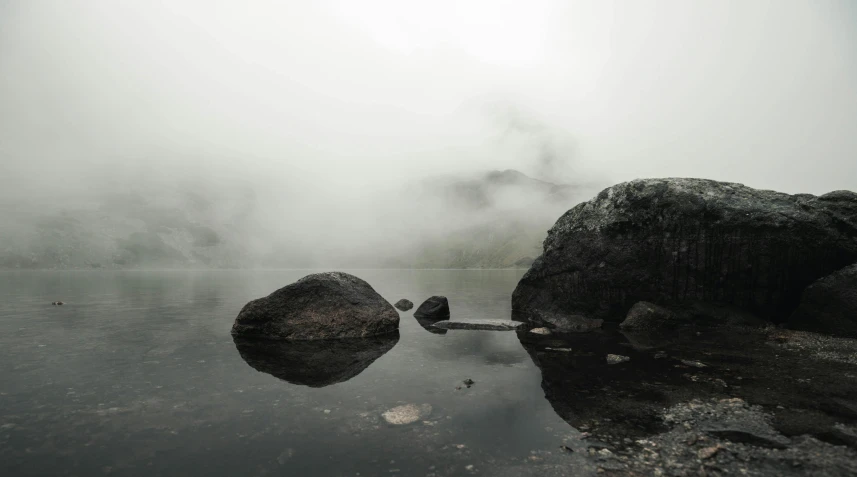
{"points": [[317, 133]]}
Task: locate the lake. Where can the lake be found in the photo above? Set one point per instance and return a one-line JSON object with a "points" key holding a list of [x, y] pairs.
{"points": [[138, 375]]}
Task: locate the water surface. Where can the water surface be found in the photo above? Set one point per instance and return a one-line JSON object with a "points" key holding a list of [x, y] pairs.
{"points": [[138, 375]]}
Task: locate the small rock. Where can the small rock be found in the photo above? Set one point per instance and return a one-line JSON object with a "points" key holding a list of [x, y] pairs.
{"points": [[404, 304], [616, 359], [566, 449], [645, 316], [540, 331], [709, 452], [434, 308], [57, 303], [661, 355], [695, 364], [469, 382]]}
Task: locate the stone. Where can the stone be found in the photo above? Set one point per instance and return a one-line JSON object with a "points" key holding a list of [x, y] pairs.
{"points": [[404, 304], [617, 358], [316, 307], [829, 305], [434, 308], [645, 316], [675, 241], [540, 331], [407, 414], [490, 325]]}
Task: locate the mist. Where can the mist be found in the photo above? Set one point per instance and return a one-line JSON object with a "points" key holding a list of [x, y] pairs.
{"points": [[284, 133]]}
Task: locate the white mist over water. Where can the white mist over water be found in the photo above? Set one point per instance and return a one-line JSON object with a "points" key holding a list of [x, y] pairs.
{"points": [[323, 112]]}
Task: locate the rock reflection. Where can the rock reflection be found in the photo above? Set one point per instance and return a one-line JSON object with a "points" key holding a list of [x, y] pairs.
{"points": [[427, 324], [617, 402], [607, 400], [314, 363]]}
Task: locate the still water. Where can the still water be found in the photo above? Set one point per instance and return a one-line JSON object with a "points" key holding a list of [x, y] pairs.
{"points": [[137, 374]]}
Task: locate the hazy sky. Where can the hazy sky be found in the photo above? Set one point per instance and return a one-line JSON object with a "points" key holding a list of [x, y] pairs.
{"points": [[351, 96]]}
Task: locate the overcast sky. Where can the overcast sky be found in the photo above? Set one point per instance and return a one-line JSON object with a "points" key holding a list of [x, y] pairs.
{"points": [[358, 94]]}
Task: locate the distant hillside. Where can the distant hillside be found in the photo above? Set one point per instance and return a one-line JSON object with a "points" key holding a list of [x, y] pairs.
{"points": [[123, 231], [494, 220]]}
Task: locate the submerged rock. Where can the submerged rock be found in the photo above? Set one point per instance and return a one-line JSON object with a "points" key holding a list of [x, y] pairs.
{"points": [[435, 308], [319, 306], [404, 304], [407, 414], [829, 305], [645, 316], [674, 241], [490, 325], [314, 363]]}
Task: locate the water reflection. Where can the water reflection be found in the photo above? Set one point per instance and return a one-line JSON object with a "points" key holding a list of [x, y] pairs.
{"points": [[617, 402], [314, 363], [427, 324]]}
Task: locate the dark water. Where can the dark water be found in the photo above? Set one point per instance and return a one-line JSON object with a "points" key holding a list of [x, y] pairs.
{"points": [[137, 375]]}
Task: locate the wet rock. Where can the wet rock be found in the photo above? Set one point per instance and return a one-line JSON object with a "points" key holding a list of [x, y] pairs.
{"points": [[314, 363], [616, 359], [674, 241], [829, 305], [435, 308], [468, 382], [57, 303], [691, 444], [404, 304], [540, 331], [319, 306], [645, 316], [407, 414], [489, 325]]}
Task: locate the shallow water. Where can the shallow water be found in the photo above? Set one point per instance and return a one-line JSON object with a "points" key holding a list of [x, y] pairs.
{"points": [[138, 375]]}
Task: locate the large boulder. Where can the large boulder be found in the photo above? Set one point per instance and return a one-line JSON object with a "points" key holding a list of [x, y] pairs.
{"points": [[319, 306], [680, 241], [829, 305]]}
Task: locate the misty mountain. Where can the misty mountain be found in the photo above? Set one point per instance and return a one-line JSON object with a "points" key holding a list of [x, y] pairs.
{"points": [[494, 220]]}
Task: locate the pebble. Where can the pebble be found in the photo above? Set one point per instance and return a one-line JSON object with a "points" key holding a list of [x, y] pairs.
{"points": [[616, 359]]}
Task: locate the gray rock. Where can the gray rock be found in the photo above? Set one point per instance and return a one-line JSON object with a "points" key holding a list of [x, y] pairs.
{"points": [[645, 316], [319, 306], [674, 241], [491, 325], [829, 305], [435, 308], [540, 331], [404, 304]]}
